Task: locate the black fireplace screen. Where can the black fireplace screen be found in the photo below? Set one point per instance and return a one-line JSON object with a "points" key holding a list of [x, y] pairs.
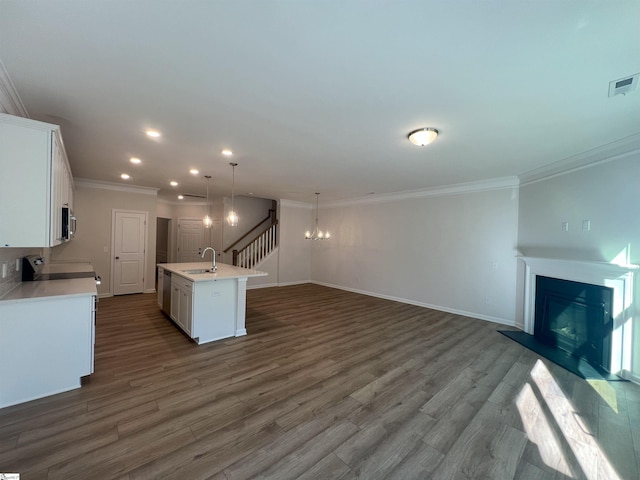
{"points": [[575, 317]]}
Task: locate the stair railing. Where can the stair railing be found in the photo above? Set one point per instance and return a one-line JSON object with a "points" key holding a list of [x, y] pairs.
{"points": [[258, 249]]}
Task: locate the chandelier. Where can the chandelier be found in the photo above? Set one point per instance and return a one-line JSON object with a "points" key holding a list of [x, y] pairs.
{"points": [[317, 234]]}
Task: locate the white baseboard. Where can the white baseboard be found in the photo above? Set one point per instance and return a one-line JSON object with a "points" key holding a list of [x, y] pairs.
{"points": [[299, 282], [455, 311], [262, 285]]}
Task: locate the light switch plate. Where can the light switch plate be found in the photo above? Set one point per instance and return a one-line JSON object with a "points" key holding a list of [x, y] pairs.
{"points": [[17, 264], [4, 270]]}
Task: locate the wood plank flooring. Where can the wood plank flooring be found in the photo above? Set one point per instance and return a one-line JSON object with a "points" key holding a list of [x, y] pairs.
{"points": [[327, 385]]}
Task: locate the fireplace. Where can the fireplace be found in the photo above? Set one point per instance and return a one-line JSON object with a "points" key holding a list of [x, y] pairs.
{"points": [[603, 338], [575, 317]]}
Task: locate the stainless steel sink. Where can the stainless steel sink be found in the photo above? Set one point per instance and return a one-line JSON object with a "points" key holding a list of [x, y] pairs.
{"points": [[197, 271]]}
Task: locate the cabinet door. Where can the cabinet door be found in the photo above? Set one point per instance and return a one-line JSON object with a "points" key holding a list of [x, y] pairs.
{"points": [[185, 310], [25, 183], [175, 302], [58, 180]]}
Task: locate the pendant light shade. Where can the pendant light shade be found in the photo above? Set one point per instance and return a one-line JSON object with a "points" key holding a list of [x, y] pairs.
{"points": [[207, 220], [317, 234], [232, 217], [423, 136]]}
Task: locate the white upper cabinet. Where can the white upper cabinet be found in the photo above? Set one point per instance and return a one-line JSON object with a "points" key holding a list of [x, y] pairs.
{"points": [[35, 183]]}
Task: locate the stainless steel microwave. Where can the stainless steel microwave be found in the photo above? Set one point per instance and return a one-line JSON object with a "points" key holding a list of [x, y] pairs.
{"points": [[68, 224]]}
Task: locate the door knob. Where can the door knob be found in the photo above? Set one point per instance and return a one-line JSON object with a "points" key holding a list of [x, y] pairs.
{"points": [[117, 258]]}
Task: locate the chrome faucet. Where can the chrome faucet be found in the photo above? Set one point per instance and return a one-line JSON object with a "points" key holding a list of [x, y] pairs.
{"points": [[214, 267]]}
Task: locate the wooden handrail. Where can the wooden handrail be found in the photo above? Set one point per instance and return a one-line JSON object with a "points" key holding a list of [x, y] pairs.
{"points": [[272, 212]]}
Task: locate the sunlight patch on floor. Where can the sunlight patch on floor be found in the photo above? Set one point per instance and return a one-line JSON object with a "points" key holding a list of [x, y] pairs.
{"points": [[592, 460], [540, 432], [606, 391]]}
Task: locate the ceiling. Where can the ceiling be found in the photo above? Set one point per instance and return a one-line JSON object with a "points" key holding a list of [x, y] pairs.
{"points": [[319, 96]]}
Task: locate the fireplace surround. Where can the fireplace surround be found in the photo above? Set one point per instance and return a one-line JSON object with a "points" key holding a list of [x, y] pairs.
{"points": [[617, 278]]}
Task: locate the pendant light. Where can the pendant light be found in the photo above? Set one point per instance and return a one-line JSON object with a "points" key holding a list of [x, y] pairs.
{"points": [[232, 218], [207, 220], [317, 234]]}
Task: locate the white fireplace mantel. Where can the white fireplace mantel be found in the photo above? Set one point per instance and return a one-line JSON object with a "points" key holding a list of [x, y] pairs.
{"points": [[618, 277]]}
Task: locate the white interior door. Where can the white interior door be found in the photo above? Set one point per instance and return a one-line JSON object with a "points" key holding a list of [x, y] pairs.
{"points": [[129, 239], [190, 239]]}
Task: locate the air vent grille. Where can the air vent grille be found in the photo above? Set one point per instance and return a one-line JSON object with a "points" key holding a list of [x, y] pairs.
{"points": [[623, 86]]}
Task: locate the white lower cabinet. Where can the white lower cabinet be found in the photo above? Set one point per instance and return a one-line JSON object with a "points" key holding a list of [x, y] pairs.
{"points": [[182, 302], [47, 345]]}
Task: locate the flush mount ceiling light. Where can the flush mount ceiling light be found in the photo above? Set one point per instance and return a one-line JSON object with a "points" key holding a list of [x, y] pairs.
{"points": [[194, 171], [173, 183], [423, 136], [317, 234], [152, 133], [232, 218], [226, 152], [207, 220], [125, 176], [135, 160]]}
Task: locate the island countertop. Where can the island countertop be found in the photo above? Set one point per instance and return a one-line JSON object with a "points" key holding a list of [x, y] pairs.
{"points": [[224, 272]]}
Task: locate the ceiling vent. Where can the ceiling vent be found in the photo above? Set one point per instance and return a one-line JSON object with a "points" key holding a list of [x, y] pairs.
{"points": [[623, 85]]}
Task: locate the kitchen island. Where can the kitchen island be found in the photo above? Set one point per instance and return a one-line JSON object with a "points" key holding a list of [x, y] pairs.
{"points": [[206, 305]]}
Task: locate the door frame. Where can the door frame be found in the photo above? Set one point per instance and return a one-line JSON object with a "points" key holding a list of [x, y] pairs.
{"points": [[113, 246]]}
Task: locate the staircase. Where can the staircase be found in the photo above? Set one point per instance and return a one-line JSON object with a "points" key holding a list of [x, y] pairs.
{"points": [[264, 241]]}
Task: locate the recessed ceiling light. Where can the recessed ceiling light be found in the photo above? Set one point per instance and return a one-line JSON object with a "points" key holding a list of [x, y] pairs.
{"points": [[173, 183], [125, 176], [180, 197], [226, 152], [152, 133], [194, 171], [135, 160]]}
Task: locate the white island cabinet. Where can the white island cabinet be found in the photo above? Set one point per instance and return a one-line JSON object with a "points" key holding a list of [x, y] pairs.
{"points": [[209, 306], [35, 183], [47, 336]]}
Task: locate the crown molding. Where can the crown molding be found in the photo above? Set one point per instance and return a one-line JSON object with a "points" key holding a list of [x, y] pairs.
{"points": [[86, 183], [10, 101], [605, 153], [455, 189], [292, 203]]}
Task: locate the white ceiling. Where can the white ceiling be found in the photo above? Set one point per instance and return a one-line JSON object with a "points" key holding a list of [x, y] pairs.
{"points": [[320, 95]]}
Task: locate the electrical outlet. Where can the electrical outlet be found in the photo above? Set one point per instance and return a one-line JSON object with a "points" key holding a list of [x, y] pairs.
{"points": [[487, 300], [565, 226], [586, 225]]}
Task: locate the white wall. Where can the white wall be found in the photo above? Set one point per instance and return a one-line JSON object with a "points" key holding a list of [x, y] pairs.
{"points": [[450, 252], [294, 252], [607, 194], [93, 207]]}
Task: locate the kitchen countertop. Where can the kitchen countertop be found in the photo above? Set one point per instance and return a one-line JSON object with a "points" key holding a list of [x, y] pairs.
{"points": [[27, 291], [224, 272]]}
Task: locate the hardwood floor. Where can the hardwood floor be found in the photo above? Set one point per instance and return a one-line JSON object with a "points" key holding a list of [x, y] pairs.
{"points": [[327, 384]]}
